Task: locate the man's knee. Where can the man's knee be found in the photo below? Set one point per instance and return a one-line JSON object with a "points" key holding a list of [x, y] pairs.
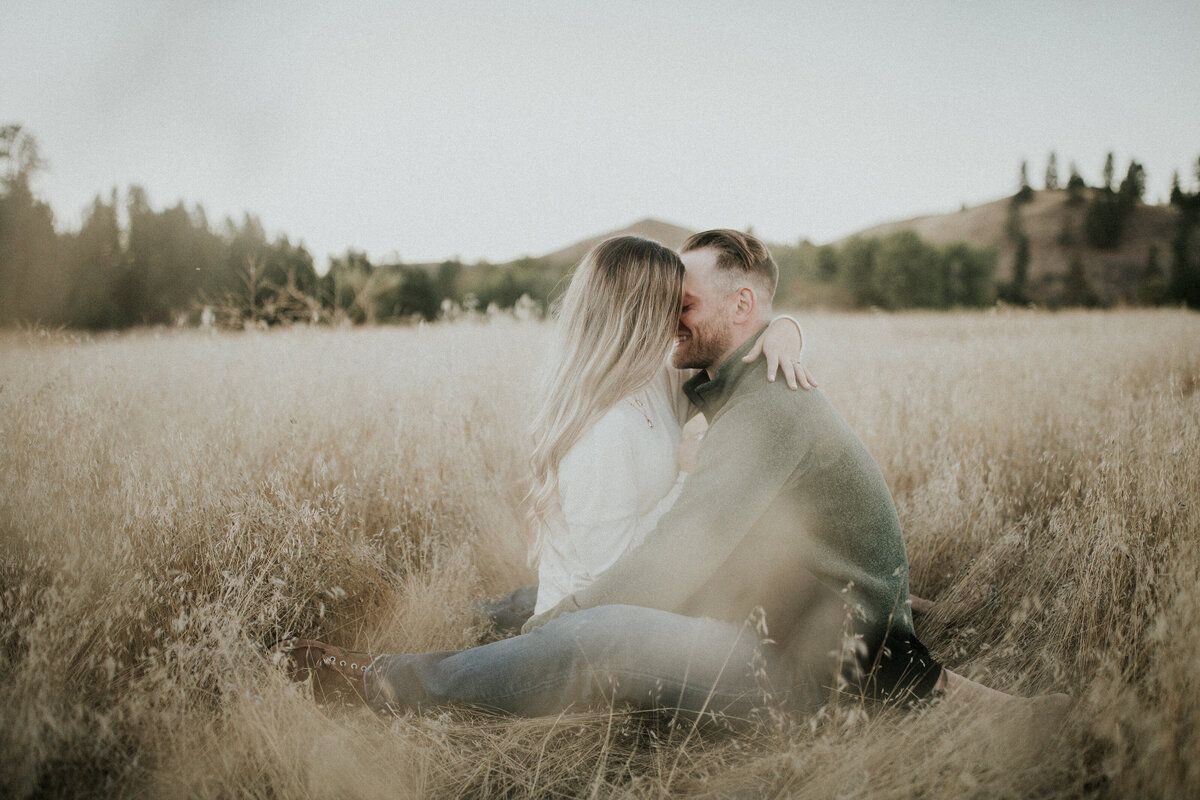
{"points": [[594, 632]]}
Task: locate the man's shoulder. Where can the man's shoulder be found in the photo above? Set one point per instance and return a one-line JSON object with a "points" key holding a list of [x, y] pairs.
{"points": [[799, 415], [756, 391]]}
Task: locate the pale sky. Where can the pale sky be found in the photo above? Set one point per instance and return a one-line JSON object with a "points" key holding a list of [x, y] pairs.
{"points": [[495, 129]]}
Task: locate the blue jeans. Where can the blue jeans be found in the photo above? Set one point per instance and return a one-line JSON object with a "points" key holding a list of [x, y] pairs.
{"points": [[595, 658]]}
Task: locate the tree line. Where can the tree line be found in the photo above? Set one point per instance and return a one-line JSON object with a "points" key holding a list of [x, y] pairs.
{"points": [[130, 264], [900, 270], [1100, 221]]}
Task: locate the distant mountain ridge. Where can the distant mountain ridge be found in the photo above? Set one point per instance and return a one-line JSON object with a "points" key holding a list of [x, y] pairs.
{"points": [[1055, 229]]}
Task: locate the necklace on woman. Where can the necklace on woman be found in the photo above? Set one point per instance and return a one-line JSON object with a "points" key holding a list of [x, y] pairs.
{"points": [[637, 403]]}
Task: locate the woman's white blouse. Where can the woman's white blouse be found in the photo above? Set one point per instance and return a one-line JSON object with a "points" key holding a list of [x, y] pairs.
{"points": [[613, 485]]}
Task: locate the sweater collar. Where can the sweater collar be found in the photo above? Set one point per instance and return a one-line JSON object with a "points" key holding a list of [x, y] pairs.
{"points": [[710, 395]]}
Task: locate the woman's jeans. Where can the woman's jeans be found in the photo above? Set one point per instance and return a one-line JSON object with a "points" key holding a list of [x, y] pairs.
{"points": [[596, 658]]}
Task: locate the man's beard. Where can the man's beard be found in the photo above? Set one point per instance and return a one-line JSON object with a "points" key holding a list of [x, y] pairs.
{"points": [[704, 346]]}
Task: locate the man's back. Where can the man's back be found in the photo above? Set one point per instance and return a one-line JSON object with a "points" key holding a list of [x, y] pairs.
{"points": [[784, 500], [830, 519]]}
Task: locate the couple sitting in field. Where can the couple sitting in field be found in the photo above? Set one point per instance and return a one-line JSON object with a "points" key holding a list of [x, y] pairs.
{"points": [[775, 573]]}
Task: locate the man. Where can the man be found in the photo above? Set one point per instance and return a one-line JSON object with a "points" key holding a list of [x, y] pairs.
{"points": [[785, 510]]}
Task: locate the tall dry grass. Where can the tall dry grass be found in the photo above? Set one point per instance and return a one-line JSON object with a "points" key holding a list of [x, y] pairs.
{"points": [[172, 502]]}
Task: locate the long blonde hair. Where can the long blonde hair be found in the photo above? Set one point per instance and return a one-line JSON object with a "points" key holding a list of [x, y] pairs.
{"points": [[616, 323]]}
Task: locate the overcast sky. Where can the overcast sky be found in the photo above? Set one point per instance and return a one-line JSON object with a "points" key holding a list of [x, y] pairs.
{"points": [[495, 129]]}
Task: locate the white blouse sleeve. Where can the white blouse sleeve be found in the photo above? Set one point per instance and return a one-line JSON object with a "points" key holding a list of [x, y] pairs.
{"points": [[598, 491]]}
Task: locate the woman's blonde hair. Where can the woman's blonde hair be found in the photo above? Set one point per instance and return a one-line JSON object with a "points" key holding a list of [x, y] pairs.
{"points": [[616, 323]]}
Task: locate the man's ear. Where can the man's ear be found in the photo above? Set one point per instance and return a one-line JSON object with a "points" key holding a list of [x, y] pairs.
{"points": [[747, 305]]}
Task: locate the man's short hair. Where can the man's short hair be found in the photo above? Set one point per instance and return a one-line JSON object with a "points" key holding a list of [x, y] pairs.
{"points": [[739, 252]]}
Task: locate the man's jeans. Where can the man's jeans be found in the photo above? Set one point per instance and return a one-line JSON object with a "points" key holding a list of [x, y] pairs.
{"points": [[595, 658]]}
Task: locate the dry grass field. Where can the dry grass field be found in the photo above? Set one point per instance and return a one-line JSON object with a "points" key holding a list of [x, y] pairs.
{"points": [[171, 502]]}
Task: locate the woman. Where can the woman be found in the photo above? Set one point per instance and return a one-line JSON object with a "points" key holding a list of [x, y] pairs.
{"points": [[605, 464], [604, 469]]}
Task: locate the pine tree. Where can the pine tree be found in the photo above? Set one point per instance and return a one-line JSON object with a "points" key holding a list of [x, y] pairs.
{"points": [[1184, 282], [1052, 173], [1153, 283], [1104, 221], [1108, 211], [1021, 270], [1133, 187], [1025, 191], [1075, 186], [33, 279], [1017, 290], [98, 265]]}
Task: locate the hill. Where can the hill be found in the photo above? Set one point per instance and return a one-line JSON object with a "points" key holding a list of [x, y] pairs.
{"points": [[672, 236], [1054, 227], [1056, 234]]}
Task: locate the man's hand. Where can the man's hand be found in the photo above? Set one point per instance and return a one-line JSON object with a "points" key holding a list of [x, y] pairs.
{"points": [[565, 606], [781, 343], [536, 621]]}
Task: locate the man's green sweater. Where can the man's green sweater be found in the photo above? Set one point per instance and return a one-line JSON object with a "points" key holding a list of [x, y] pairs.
{"points": [[783, 492]]}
